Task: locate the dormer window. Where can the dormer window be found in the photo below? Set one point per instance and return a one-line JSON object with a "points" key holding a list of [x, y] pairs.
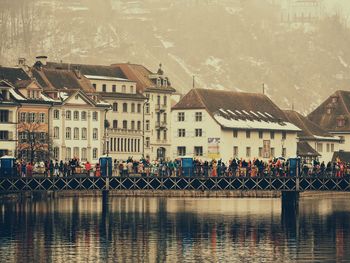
{"points": [[341, 121], [159, 82], [124, 89], [131, 89], [334, 99], [329, 110], [165, 82]]}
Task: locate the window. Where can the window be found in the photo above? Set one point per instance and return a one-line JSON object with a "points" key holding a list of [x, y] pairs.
{"points": [[248, 152], [198, 132], [147, 142], [260, 152], [261, 134], [124, 89], [76, 134], [159, 82], [68, 115], [104, 88], [342, 139], [247, 134], [165, 100], [76, 115], [181, 150], [181, 132], [83, 133], [319, 147], [147, 125], [68, 153], [284, 135], [94, 153], [95, 116], [4, 135], [56, 132], [56, 114], [95, 134], [158, 134], [114, 88], [83, 115], [42, 117], [198, 150], [341, 122], [328, 147], [22, 117], [147, 108], [115, 106], [235, 134], [131, 89], [133, 125], [31, 117], [115, 124], [125, 125], [125, 107], [132, 107], [284, 152], [139, 125], [165, 117], [235, 151], [56, 153], [138, 108], [83, 154], [94, 85], [165, 135], [272, 152], [272, 135], [198, 116], [332, 147], [181, 116], [76, 152], [68, 133]]}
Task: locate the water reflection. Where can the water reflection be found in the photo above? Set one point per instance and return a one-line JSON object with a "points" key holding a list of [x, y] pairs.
{"points": [[173, 230]]}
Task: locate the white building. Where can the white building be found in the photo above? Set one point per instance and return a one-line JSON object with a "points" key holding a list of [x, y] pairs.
{"points": [[212, 124], [77, 127], [125, 136]]}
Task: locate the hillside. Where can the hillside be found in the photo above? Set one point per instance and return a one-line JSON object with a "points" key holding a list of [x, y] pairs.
{"points": [[225, 44]]}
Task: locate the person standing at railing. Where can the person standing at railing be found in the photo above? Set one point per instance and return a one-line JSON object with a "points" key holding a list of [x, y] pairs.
{"points": [[29, 170], [87, 168]]}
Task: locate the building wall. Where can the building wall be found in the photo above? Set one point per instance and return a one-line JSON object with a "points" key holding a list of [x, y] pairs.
{"points": [[211, 129], [130, 86], [9, 146]]}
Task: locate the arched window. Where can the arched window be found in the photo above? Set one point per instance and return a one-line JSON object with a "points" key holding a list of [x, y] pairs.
{"points": [[68, 133], [83, 154], [76, 133], [56, 132], [125, 125], [56, 114], [76, 115], [159, 82], [125, 107], [56, 153], [95, 134], [132, 107], [124, 89], [83, 115], [68, 153], [94, 153], [83, 133], [131, 89], [115, 106], [68, 115], [95, 116]]}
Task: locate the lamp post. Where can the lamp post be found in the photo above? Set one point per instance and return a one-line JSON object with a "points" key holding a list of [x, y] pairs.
{"points": [[106, 126], [143, 127]]}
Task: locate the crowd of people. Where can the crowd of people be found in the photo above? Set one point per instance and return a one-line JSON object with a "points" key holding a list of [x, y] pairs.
{"points": [[213, 168]]}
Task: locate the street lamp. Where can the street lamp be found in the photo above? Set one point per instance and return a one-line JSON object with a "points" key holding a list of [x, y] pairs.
{"points": [[143, 126], [106, 126]]}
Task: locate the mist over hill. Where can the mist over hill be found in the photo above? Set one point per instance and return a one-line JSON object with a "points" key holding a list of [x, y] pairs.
{"points": [[225, 44]]}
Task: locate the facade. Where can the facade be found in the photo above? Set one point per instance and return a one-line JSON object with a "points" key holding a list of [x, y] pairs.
{"points": [[124, 135], [323, 143], [212, 124], [334, 117], [158, 90]]}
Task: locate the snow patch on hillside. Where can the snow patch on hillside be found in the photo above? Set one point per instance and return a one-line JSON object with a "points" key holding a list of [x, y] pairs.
{"points": [[342, 61]]}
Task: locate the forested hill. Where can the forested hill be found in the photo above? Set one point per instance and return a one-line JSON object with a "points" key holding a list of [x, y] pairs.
{"points": [[231, 44]]}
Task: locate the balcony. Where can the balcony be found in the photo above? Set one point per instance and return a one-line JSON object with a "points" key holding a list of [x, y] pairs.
{"points": [[124, 131], [161, 125], [160, 107]]}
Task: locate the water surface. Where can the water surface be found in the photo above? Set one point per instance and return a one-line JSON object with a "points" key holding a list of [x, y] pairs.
{"points": [[80, 229]]}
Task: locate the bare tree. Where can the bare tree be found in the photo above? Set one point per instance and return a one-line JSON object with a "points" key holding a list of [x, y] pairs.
{"points": [[33, 143]]}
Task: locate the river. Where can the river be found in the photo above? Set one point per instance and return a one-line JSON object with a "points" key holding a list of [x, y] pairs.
{"points": [[81, 229]]}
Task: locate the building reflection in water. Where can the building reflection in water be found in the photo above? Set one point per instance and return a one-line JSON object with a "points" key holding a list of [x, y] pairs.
{"points": [[172, 230]]}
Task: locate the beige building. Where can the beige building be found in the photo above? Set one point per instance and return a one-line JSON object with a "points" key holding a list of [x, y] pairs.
{"points": [[212, 124]]}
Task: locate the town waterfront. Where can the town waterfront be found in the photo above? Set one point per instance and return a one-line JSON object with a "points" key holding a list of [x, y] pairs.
{"points": [[145, 229]]}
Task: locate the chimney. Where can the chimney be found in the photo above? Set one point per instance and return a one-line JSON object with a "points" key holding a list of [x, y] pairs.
{"points": [[77, 72], [42, 59]]}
